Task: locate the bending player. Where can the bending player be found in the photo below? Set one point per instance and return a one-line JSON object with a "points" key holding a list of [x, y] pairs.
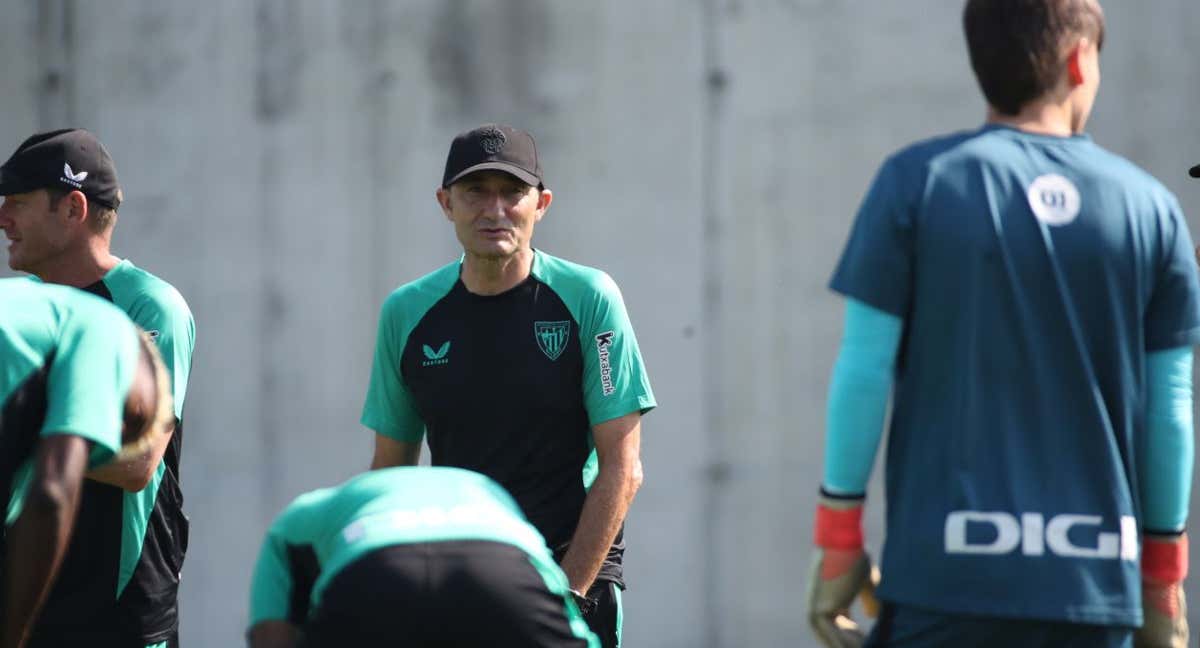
{"points": [[412, 556], [78, 387], [1030, 301]]}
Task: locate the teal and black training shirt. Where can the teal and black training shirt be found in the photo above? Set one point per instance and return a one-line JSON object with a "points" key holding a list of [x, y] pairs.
{"points": [[510, 385], [67, 362], [120, 577], [323, 531]]}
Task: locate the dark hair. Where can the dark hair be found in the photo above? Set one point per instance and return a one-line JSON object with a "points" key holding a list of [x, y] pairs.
{"points": [[100, 217], [1017, 47]]}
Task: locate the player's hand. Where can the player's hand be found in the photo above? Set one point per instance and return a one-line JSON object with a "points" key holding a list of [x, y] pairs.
{"points": [[840, 571], [1164, 609], [836, 577]]}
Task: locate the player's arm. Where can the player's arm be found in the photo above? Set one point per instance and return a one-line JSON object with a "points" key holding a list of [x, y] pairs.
{"points": [[858, 396], [390, 452], [175, 338], [38, 539], [618, 448], [1165, 447], [1165, 476], [133, 472], [273, 634]]}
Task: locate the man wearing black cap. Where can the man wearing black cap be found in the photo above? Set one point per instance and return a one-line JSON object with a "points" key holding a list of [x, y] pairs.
{"points": [[520, 366], [120, 579]]}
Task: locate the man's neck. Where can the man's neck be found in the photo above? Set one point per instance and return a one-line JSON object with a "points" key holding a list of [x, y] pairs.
{"points": [[492, 275], [1040, 117], [80, 270]]}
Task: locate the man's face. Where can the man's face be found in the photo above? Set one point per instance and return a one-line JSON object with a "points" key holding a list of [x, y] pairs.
{"points": [[493, 212], [37, 234]]}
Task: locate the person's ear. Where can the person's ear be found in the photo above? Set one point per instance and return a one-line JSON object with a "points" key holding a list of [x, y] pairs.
{"points": [[77, 207], [1074, 66], [443, 198], [545, 197]]}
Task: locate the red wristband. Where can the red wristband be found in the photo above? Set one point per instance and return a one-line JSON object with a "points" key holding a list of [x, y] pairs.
{"points": [[839, 529], [1165, 561]]}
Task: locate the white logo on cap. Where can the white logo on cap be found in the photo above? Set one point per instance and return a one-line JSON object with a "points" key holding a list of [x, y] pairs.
{"points": [[1054, 199], [72, 178]]}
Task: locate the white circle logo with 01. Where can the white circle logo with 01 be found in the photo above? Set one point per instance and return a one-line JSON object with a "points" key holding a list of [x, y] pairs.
{"points": [[1054, 199]]}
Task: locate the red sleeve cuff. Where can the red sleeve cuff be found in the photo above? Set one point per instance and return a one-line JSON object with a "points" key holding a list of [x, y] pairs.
{"points": [[839, 529], [1165, 561]]}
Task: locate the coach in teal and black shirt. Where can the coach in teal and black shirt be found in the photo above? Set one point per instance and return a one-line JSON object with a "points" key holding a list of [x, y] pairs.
{"points": [[120, 580], [520, 366]]}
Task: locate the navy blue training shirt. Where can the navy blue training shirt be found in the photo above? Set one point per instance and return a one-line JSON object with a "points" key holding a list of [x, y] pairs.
{"points": [[1033, 274]]}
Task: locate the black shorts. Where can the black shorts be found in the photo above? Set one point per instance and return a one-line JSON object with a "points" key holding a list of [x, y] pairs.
{"points": [[605, 614], [459, 593], [904, 626]]}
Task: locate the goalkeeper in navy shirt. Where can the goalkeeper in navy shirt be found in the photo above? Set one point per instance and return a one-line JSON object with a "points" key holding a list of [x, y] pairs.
{"points": [[1030, 301]]}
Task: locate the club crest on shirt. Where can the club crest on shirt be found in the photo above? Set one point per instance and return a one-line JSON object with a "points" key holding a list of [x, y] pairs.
{"points": [[552, 337], [1053, 199]]}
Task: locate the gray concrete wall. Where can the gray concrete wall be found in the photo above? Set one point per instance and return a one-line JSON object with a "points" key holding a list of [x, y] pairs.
{"points": [[279, 161]]}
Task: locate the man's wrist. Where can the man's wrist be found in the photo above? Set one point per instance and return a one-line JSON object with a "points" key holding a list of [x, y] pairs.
{"points": [[838, 522], [1165, 557], [585, 604]]}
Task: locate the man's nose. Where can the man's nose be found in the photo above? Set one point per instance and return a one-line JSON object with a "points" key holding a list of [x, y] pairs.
{"points": [[493, 204]]}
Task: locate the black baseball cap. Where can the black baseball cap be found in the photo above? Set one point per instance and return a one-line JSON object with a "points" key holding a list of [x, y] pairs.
{"points": [[68, 159], [1195, 172], [494, 146]]}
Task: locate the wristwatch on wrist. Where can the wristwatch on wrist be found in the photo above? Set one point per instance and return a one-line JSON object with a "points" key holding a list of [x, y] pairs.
{"points": [[585, 604]]}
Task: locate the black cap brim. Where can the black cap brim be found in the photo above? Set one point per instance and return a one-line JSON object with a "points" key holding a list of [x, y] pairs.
{"points": [[11, 183], [1195, 172], [511, 169]]}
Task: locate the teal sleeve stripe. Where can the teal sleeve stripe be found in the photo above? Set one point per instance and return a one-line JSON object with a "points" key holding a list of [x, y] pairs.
{"points": [[135, 520], [159, 309], [858, 396], [614, 380], [389, 408], [90, 378], [1165, 459], [270, 584]]}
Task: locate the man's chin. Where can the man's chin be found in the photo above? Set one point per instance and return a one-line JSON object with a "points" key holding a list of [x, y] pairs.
{"points": [[15, 262], [494, 252]]}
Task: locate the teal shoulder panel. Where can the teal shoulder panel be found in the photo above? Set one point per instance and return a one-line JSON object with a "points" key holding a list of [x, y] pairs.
{"points": [[614, 375], [418, 504], [27, 334], [389, 408], [271, 583], [96, 355], [95, 351], [380, 508], [161, 311]]}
